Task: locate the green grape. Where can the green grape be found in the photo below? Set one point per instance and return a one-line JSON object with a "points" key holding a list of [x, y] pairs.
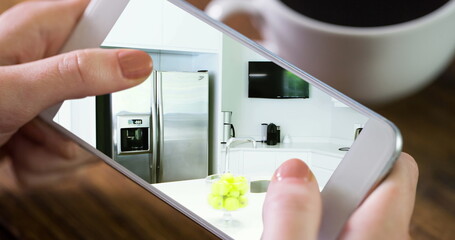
{"points": [[234, 193], [216, 187], [229, 192], [233, 187], [228, 177], [243, 187], [243, 201], [215, 201], [231, 204], [240, 179], [220, 188]]}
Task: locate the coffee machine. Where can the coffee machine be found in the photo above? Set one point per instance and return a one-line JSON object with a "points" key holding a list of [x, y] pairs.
{"points": [[228, 127], [273, 134]]}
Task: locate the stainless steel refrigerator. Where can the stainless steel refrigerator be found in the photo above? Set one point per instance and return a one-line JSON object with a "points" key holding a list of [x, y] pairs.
{"points": [[160, 128]]}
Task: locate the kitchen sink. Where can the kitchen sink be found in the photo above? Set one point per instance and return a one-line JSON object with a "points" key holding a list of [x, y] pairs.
{"points": [[259, 186]]}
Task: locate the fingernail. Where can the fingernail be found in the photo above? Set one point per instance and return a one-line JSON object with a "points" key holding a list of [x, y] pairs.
{"points": [[135, 64], [293, 169]]}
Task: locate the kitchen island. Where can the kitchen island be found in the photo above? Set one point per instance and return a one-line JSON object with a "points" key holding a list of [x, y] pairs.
{"points": [[246, 222]]}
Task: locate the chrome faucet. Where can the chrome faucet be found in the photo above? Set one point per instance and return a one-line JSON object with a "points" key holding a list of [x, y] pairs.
{"points": [[230, 143]]}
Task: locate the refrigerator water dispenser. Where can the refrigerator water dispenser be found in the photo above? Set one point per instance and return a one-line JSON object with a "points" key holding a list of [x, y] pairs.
{"points": [[133, 134]]}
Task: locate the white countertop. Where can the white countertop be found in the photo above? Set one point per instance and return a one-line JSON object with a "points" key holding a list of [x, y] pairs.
{"points": [[317, 147], [192, 194]]}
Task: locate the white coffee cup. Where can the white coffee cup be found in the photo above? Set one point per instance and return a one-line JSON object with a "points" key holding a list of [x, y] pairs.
{"points": [[370, 64]]}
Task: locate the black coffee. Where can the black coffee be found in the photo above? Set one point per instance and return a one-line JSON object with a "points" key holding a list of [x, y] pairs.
{"points": [[364, 13]]}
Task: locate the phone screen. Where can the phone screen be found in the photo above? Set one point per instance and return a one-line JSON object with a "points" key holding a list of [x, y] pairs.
{"points": [[212, 106]]}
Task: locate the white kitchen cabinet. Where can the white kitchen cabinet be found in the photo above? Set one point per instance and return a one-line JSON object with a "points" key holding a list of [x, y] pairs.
{"points": [[325, 161], [259, 164], [321, 175], [262, 163], [160, 25], [323, 166], [182, 31], [139, 26], [281, 157]]}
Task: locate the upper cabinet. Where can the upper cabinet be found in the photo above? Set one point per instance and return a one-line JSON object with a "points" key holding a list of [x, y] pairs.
{"points": [[139, 26], [158, 24], [183, 31]]}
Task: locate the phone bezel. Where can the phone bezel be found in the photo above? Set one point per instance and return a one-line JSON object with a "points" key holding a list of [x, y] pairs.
{"points": [[357, 173]]}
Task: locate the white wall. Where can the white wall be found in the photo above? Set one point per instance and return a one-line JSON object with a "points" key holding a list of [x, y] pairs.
{"points": [[296, 117], [79, 117], [345, 121], [315, 117]]}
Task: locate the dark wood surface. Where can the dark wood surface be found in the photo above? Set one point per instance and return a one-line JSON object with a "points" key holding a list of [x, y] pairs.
{"points": [[95, 202], [427, 122], [98, 203]]}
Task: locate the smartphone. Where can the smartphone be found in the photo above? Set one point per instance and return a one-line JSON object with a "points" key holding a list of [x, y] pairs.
{"points": [[150, 132]]}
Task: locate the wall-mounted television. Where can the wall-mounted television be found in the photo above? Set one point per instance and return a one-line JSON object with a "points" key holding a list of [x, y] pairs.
{"points": [[268, 80]]}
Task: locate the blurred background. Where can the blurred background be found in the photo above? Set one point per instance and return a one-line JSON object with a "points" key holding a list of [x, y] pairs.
{"points": [[427, 122]]}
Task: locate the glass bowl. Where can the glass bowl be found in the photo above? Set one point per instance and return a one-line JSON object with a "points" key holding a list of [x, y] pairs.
{"points": [[228, 193]]}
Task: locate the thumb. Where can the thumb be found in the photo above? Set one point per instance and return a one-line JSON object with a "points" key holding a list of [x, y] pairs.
{"points": [[34, 86], [292, 207]]}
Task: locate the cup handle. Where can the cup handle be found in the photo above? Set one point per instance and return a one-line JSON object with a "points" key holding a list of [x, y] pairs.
{"points": [[222, 9]]}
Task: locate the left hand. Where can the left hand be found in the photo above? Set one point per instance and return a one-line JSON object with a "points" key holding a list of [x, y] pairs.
{"points": [[41, 154], [33, 79]]}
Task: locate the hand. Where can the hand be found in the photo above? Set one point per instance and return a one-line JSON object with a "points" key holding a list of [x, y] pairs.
{"points": [[40, 154], [29, 84], [292, 209]]}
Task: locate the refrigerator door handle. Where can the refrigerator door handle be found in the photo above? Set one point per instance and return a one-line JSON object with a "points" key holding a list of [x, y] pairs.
{"points": [[161, 126], [155, 132]]}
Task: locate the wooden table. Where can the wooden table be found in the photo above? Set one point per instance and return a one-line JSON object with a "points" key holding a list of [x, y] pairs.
{"points": [[99, 203]]}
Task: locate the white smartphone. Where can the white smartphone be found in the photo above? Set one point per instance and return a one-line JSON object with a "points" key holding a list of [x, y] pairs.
{"points": [[316, 123]]}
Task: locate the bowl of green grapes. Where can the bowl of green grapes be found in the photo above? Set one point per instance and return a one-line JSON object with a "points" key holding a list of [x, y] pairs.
{"points": [[228, 193]]}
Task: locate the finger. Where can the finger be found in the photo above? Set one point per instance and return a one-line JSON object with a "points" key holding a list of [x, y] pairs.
{"points": [[42, 134], [34, 164], [30, 88], [36, 29], [292, 208], [386, 213]]}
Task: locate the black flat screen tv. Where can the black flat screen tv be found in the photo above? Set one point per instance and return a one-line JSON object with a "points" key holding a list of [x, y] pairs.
{"points": [[268, 80]]}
